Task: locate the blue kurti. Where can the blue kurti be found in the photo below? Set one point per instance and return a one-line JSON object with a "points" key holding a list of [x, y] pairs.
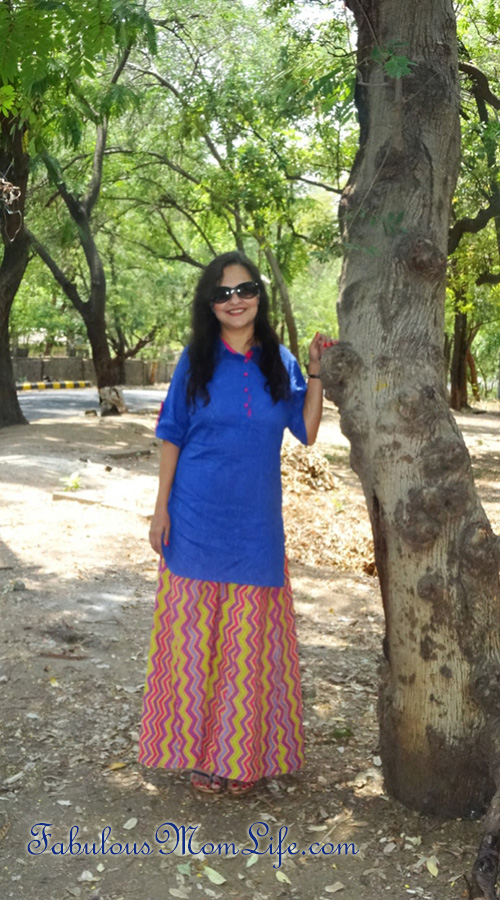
{"points": [[226, 521]]}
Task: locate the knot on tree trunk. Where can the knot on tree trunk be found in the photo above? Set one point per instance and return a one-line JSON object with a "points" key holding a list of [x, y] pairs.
{"points": [[427, 509], [416, 527], [421, 256], [393, 163], [338, 365], [445, 501], [431, 588], [422, 408], [485, 688], [445, 456], [480, 549], [426, 87]]}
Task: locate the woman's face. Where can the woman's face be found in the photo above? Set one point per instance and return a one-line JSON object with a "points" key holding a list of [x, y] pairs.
{"points": [[237, 312]]}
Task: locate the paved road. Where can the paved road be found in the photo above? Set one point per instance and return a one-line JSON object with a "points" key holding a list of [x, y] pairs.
{"points": [[50, 404]]}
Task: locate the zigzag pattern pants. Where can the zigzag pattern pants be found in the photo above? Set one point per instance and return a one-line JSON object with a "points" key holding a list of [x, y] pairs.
{"points": [[222, 687]]}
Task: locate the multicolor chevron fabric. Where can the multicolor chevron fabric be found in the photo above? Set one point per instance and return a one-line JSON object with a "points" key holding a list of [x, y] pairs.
{"points": [[222, 687]]}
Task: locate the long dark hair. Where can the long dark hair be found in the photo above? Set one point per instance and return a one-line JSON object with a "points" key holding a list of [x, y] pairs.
{"points": [[205, 333]]}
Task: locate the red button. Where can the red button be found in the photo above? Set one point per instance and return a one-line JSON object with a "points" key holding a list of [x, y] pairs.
{"points": [[246, 404], [246, 390], [245, 374]]}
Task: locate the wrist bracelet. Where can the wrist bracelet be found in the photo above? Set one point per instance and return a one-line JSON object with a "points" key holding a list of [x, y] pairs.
{"points": [[313, 376]]}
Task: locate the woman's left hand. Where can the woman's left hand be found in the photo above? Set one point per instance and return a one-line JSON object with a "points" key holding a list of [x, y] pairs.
{"points": [[318, 345]]}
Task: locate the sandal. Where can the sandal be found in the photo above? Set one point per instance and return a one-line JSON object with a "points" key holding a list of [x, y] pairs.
{"points": [[206, 782], [236, 788]]}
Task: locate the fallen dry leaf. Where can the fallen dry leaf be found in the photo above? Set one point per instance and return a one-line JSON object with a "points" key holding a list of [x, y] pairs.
{"points": [[432, 865], [214, 876]]}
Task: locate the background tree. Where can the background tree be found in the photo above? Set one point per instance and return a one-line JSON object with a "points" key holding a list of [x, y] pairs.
{"points": [[46, 48], [14, 164], [232, 167], [476, 206], [250, 156]]}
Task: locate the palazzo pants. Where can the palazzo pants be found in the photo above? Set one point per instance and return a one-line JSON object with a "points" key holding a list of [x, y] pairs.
{"points": [[222, 689]]}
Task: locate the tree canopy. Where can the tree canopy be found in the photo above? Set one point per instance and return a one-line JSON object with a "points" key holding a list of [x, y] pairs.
{"points": [[189, 130]]}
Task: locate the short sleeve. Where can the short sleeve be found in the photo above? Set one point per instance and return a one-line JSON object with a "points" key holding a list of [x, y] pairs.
{"points": [[173, 421], [298, 388]]}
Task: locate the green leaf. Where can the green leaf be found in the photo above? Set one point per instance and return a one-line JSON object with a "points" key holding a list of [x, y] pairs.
{"points": [[398, 66], [7, 98]]}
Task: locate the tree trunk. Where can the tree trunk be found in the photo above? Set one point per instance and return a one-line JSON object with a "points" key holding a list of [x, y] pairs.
{"points": [[93, 311], [447, 347], [285, 301], [15, 260], [107, 368], [458, 368], [14, 161], [120, 347], [472, 368], [436, 555]]}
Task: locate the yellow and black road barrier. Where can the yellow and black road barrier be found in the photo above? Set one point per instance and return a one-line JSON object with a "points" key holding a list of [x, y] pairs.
{"points": [[51, 385]]}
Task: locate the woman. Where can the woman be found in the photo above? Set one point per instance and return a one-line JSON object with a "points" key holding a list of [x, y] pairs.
{"points": [[222, 693]]}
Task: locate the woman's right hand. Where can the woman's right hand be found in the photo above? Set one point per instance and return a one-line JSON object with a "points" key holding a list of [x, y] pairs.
{"points": [[159, 528]]}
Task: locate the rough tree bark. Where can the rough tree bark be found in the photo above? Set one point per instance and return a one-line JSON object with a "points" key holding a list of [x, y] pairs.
{"points": [[436, 554], [13, 162]]}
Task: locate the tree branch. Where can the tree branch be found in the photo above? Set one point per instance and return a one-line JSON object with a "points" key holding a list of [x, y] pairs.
{"points": [[92, 193], [481, 84], [171, 87], [321, 184], [472, 225], [488, 278], [304, 237], [160, 79], [185, 255], [69, 287], [93, 114], [141, 343], [213, 150], [164, 159], [73, 205], [121, 65], [179, 257], [171, 202], [279, 157]]}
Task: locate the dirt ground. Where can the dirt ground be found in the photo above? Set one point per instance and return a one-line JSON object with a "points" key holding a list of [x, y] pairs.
{"points": [[77, 583]]}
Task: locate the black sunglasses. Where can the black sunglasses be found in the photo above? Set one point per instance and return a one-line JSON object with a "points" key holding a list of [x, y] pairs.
{"points": [[246, 290]]}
